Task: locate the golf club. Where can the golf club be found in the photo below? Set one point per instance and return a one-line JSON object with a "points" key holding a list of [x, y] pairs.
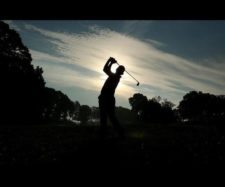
{"points": [[130, 75]]}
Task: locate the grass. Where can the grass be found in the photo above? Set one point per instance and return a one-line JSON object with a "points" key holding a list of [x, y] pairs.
{"points": [[145, 146]]}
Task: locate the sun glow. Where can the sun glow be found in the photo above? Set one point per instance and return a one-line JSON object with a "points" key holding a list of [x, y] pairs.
{"points": [[114, 67]]}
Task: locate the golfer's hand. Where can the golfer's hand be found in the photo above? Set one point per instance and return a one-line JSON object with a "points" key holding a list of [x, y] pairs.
{"points": [[113, 60]]}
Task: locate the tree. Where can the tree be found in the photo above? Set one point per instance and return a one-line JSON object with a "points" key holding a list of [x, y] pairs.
{"points": [[167, 104], [21, 84], [169, 115], [23, 96], [138, 103], [57, 106], [191, 105], [95, 113], [84, 113], [125, 115], [152, 110], [199, 106], [75, 114]]}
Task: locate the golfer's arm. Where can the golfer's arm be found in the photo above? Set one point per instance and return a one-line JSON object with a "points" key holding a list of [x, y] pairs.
{"points": [[107, 67]]}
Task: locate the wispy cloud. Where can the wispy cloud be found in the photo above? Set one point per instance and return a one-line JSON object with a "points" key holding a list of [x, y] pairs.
{"points": [[157, 70]]}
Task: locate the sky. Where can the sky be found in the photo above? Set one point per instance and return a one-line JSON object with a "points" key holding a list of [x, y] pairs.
{"points": [[168, 57]]}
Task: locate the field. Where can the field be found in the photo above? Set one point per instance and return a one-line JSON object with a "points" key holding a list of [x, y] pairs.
{"points": [[146, 146]]}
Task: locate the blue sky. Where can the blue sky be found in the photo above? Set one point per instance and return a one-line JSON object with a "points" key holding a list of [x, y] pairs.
{"points": [[169, 58]]}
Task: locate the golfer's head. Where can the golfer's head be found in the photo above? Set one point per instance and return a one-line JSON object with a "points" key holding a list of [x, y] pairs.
{"points": [[120, 70]]}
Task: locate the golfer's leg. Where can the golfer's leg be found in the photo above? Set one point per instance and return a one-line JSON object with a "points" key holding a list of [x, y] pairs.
{"points": [[116, 123], [103, 122]]}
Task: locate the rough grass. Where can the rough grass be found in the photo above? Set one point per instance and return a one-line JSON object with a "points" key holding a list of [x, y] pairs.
{"points": [[145, 146]]}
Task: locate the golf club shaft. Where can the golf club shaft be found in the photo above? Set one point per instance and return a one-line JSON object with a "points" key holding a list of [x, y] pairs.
{"points": [[129, 74]]}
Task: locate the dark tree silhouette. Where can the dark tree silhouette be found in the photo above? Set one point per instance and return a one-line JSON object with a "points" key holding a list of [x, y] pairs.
{"points": [[138, 103], [21, 84], [95, 112], [169, 115], [84, 113], [57, 106], [125, 115], [205, 107], [23, 95], [76, 110], [152, 110]]}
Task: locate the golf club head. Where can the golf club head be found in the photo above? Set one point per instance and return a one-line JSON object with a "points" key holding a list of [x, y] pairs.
{"points": [[138, 84]]}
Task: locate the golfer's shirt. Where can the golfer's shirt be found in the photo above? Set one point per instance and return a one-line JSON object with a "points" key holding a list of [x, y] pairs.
{"points": [[108, 89]]}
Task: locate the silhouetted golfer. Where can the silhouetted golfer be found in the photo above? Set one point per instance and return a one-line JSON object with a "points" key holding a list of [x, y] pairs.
{"points": [[107, 99]]}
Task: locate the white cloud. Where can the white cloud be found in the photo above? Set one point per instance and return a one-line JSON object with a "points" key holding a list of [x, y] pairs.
{"points": [[151, 66]]}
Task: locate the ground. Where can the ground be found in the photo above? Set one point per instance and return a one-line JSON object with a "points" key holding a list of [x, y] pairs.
{"points": [[145, 146]]}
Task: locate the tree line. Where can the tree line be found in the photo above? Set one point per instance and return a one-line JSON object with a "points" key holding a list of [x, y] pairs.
{"points": [[25, 98]]}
